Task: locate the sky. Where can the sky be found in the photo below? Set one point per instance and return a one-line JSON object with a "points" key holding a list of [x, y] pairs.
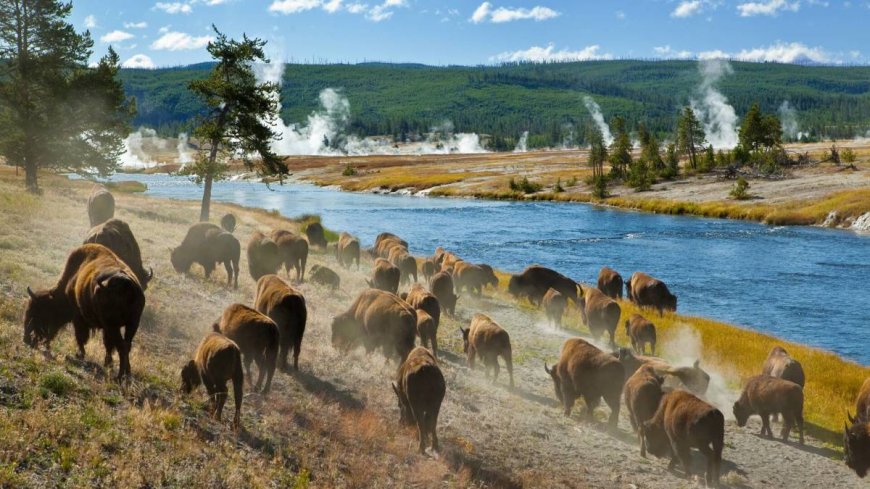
{"points": [[150, 34]]}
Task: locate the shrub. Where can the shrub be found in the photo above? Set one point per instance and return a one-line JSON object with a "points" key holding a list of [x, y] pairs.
{"points": [[57, 383], [740, 190], [640, 177], [348, 171], [571, 182], [524, 186], [599, 186], [847, 155], [558, 187]]}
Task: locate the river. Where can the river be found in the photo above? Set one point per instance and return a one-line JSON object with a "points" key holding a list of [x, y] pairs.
{"points": [[804, 284]]}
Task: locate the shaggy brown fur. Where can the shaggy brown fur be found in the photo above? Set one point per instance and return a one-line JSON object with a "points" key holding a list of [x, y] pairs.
{"points": [[600, 313], [693, 378], [258, 339], [441, 287], [856, 438], [347, 250], [384, 236], [642, 393], [286, 306], [535, 280], [386, 246], [610, 283], [316, 236], [420, 298], [420, 390], [116, 235], [470, 277], [217, 361], [487, 340], [780, 364], [228, 222], [101, 205], [96, 290], [554, 305], [385, 276], [324, 276], [683, 421], [641, 332], [377, 319], [427, 331], [263, 256], [647, 291], [765, 395], [293, 251], [208, 244], [489, 276], [585, 371], [406, 263], [429, 268]]}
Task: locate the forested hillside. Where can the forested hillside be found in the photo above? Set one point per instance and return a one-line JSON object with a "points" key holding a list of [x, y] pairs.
{"points": [[544, 99]]}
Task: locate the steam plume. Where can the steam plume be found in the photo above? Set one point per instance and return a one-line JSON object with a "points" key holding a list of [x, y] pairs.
{"points": [[523, 143], [788, 121], [598, 118], [713, 109]]}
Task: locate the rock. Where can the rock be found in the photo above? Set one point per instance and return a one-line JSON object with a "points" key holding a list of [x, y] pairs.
{"points": [[861, 224]]}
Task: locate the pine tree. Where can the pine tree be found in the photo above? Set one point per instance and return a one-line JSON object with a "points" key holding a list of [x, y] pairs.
{"points": [[597, 157], [672, 162], [620, 148], [690, 136]]}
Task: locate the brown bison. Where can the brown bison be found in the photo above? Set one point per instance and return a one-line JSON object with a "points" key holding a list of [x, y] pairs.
{"points": [[101, 205], [406, 263], [427, 331], [315, 234], [420, 390], [470, 277], [258, 339], [96, 290], [610, 283], [385, 276], [444, 259], [641, 332], [347, 250], [384, 247], [420, 298], [115, 235], [632, 362], [554, 305], [286, 306], [585, 371], [489, 276], [377, 319], [683, 421], [263, 256], [217, 361], [765, 395], [228, 222], [693, 378], [324, 276], [441, 286], [646, 291], [293, 251], [487, 340], [642, 393], [780, 364], [600, 313], [428, 268], [208, 244], [386, 236], [856, 434], [535, 281]]}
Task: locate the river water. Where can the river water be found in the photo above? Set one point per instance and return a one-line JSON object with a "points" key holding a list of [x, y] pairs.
{"points": [[800, 283]]}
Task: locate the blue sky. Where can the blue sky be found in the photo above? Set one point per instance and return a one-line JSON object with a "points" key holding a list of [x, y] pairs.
{"points": [[471, 32]]}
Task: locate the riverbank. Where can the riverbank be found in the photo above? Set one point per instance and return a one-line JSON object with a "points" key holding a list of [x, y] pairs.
{"points": [[333, 424]]}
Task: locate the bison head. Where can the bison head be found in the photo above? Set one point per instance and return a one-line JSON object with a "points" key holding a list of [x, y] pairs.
{"points": [[46, 313], [741, 413], [557, 382], [406, 417], [190, 378], [655, 439], [515, 285], [669, 303], [449, 303], [856, 447], [180, 260]]}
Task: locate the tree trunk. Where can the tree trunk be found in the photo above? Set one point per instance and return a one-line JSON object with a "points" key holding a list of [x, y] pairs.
{"points": [[206, 199]]}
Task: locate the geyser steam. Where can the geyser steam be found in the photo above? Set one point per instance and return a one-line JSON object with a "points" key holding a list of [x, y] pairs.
{"points": [[595, 111], [712, 108]]}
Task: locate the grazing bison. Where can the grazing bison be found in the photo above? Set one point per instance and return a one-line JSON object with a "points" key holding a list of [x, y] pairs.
{"points": [[385, 276], [324, 276], [641, 332], [489, 276], [228, 222], [780, 364], [642, 393], [610, 283], [427, 331], [258, 339], [115, 235], [470, 277], [286, 307], [263, 256], [535, 280], [646, 291], [765, 395], [208, 244], [585, 371], [96, 290], [315, 234], [683, 421], [101, 205], [428, 268], [217, 361], [293, 251], [420, 390], [600, 313], [554, 304], [856, 438], [377, 319], [487, 340], [420, 298], [441, 286], [347, 250]]}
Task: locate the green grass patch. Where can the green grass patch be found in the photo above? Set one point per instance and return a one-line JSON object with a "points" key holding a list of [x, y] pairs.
{"points": [[57, 383]]}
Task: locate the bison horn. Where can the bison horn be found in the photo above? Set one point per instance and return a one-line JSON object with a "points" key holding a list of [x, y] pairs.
{"points": [[850, 417], [30, 293]]}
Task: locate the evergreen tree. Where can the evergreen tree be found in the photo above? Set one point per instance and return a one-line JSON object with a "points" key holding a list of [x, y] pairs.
{"points": [[597, 157], [650, 151], [620, 148], [690, 136], [672, 162], [240, 110]]}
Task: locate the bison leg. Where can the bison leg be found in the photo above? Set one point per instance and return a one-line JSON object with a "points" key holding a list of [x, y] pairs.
{"points": [[297, 344], [799, 417], [432, 424], [112, 338], [641, 437], [212, 392], [248, 360], [708, 454], [220, 400], [433, 339], [270, 359], [613, 404], [591, 404], [495, 367], [469, 358], [283, 352], [681, 448], [509, 364], [82, 333], [765, 425], [110, 347], [228, 266], [787, 423]]}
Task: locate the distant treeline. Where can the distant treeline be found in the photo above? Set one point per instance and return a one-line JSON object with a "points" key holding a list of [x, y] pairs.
{"points": [[404, 100]]}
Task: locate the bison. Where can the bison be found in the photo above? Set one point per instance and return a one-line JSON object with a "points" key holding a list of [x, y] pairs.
{"points": [[484, 338], [427, 330], [228, 222], [765, 395], [856, 434], [293, 251], [647, 291], [286, 306], [347, 250], [258, 339], [377, 319], [324, 276], [420, 390], [693, 378], [489, 276], [386, 236], [534, 282], [217, 361], [428, 268], [406, 263], [441, 286], [780, 364], [683, 421], [116, 235], [96, 290], [470, 277], [600, 313], [263, 257], [554, 304], [316, 235], [610, 283], [419, 298], [385, 276], [641, 332], [642, 393], [585, 371], [208, 244], [101, 205]]}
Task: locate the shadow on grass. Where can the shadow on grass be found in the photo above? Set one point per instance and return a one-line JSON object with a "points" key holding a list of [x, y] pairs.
{"points": [[459, 460], [327, 390]]}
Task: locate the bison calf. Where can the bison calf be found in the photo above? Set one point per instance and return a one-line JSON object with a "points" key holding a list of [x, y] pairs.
{"points": [[324, 276], [554, 304], [101, 205], [600, 313], [217, 361], [765, 395], [441, 286], [385, 276], [641, 332], [257, 337], [286, 306], [642, 393], [420, 390], [610, 283], [486, 339]]}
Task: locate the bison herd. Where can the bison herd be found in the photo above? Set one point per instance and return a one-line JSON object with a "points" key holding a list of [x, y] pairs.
{"points": [[102, 289]]}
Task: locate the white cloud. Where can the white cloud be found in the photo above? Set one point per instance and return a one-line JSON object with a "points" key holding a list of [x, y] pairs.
{"points": [[164, 29], [357, 8], [135, 25], [332, 6], [174, 7], [177, 41], [288, 7], [377, 13], [212, 3], [540, 54], [116, 36], [779, 52], [769, 7], [687, 9], [667, 52], [384, 11], [508, 14], [620, 15], [139, 61], [714, 54], [90, 22]]}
